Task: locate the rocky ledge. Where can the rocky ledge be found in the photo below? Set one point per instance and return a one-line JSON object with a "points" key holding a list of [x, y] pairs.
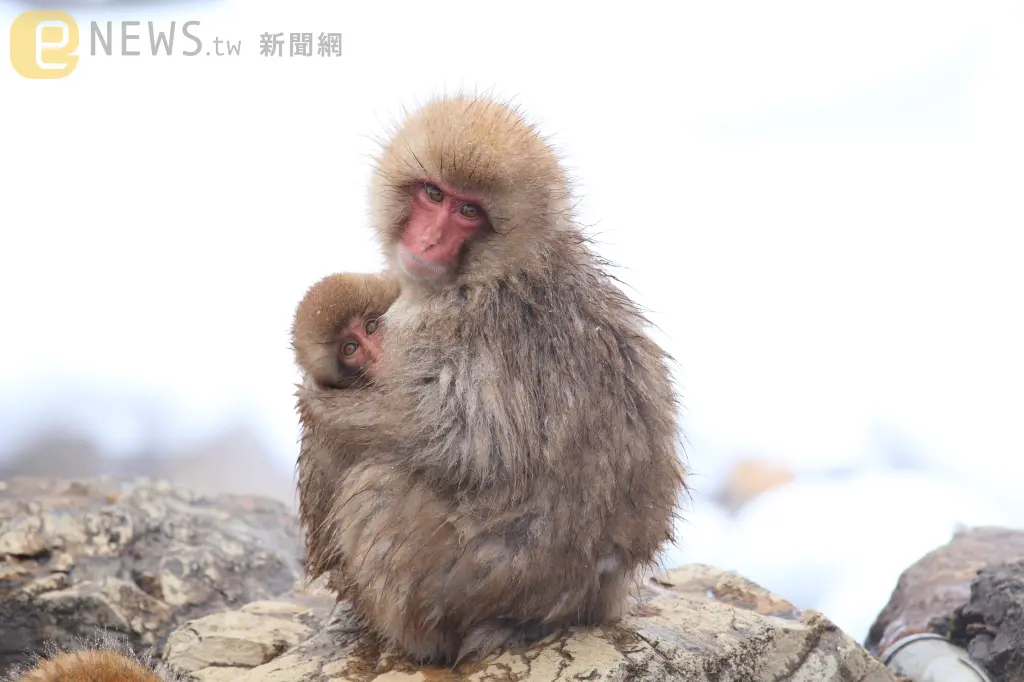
{"points": [[968, 595], [214, 585]]}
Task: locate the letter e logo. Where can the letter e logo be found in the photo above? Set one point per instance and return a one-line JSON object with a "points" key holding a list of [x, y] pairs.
{"points": [[42, 43]]}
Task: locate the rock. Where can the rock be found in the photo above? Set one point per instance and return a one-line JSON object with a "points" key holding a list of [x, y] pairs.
{"points": [[224, 645], [235, 638], [930, 593], [696, 624], [216, 586], [991, 624], [132, 556]]}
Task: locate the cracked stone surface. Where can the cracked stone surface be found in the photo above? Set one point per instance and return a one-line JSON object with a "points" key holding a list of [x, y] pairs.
{"points": [[697, 623], [133, 556], [215, 585]]}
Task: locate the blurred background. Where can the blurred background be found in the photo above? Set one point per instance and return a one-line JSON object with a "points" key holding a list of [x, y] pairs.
{"points": [[819, 204]]}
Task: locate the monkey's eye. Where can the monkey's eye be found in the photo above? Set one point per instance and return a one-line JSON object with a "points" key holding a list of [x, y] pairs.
{"points": [[470, 211], [433, 193], [371, 326], [350, 348]]}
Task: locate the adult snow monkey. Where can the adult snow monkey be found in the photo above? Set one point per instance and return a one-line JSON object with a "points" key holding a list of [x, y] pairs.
{"points": [[514, 464]]}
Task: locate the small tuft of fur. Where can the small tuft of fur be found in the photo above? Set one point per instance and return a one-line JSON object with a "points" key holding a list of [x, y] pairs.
{"points": [[105, 657], [516, 464]]}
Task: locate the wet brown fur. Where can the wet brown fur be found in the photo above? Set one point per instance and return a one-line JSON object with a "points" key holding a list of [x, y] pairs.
{"points": [[325, 311], [515, 463]]}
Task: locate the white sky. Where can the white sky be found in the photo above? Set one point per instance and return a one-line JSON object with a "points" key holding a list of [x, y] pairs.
{"points": [[820, 202]]}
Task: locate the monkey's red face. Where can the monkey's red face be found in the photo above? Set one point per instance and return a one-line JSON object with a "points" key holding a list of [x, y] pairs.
{"points": [[440, 223], [360, 345]]}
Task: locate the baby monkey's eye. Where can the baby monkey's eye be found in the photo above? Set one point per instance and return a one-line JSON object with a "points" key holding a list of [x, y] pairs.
{"points": [[469, 211], [350, 348], [433, 193], [371, 326]]}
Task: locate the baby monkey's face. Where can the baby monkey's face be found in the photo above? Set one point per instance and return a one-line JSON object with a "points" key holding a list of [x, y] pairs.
{"points": [[360, 345]]}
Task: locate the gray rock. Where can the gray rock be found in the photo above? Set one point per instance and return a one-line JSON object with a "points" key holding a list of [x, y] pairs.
{"points": [[991, 624], [697, 624], [132, 556], [216, 586], [930, 593]]}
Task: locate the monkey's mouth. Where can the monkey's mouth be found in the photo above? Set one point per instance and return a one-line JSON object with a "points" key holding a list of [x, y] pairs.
{"points": [[417, 267]]}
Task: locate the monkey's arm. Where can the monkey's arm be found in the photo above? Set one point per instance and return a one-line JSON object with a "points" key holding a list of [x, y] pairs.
{"points": [[354, 418]]}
